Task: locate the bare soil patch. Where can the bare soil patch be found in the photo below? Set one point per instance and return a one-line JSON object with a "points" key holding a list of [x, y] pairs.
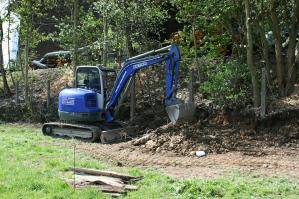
{"points": [[279, 162]]}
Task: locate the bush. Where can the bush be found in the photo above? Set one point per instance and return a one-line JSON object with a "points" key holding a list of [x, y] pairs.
{"points": [[226, 82]]}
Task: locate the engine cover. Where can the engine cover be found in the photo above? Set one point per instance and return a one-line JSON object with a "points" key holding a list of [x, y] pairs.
{"points": [[76, 104]]}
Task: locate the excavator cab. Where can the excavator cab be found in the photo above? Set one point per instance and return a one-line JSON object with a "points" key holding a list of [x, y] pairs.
{"points": [[86, 102], [89, 78], [96, 78]]}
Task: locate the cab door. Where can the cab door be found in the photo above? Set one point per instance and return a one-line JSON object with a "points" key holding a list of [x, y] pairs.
{"points": [[91, 78], [100, 95]]}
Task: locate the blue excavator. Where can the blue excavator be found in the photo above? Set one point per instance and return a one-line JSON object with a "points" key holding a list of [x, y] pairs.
{"points": [[87, 111]]}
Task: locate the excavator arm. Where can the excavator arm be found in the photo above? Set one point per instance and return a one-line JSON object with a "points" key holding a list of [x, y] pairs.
{"points": [[170, 55]]}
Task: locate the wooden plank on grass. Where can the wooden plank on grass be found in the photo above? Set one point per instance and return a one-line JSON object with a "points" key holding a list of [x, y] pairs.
{"points": [[106, 173], [111, 189], [131, 187], [102, 180]]}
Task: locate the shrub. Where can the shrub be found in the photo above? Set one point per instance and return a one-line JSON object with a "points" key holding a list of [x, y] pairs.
{"points": [[226, 82]]}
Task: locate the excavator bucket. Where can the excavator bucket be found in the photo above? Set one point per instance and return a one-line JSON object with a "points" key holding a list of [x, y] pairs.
{"points": [[180, 112]]}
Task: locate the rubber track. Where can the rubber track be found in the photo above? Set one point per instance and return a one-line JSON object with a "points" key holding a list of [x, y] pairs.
{"points": [[94, 130]]}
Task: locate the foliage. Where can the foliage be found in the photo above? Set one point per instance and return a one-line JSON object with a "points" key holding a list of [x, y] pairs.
{"points": [[140, 19], [89, 30], [31, 14], [227, 82], [211, 28]]}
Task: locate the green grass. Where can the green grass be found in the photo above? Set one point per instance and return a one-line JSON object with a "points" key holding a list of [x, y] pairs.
{"points": [[32, 166]]}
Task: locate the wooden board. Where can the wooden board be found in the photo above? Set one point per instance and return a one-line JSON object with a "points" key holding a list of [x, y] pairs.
{"points": [[102, 180], [107, 173], [108, 182]]}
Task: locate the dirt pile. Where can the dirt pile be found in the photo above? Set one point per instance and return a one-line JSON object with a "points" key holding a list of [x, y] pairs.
{"points": [[37, 109], [187, 138], [59, 78]]}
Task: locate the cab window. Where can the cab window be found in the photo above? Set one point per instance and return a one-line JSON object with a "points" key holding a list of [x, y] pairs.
{"points": [[88, 78]]}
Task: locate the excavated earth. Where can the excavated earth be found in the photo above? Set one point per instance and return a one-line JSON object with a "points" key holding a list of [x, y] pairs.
{"points": [[232, 145], [234, 142], [274, 162]]}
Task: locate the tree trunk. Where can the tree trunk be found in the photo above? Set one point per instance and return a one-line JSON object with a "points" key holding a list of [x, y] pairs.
{"points": [[105, 21], [278, 47], [26, 66], [133, 85], [8, 46], [291, 49], [131, 53], [129, 43], [75, 26], [6, 88], [19, 60], [195, 61], [265, 53], [250, 62]]}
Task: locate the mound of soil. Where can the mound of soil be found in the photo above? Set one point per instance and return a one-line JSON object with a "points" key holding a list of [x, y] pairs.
{"points": [[187, 138], [36, 110]]}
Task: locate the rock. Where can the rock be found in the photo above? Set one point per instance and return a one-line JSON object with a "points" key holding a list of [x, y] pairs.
{"points": [[158, 149], [200, 153], [150, 144], [142, 140], [171, 145]]}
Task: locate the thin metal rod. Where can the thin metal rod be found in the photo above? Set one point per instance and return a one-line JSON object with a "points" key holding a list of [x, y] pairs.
{"points": [[74, 167], [149, 53]]}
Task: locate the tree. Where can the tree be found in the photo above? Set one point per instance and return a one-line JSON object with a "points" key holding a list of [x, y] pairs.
{"points": [[131, 22], [75, 35], [291, 62], [250, 62], [30, 12], [6, 88], [8, 39], [278, 46]]}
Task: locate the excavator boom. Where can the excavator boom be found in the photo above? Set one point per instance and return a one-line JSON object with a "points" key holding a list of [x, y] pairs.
{"points": [[176, 109]]}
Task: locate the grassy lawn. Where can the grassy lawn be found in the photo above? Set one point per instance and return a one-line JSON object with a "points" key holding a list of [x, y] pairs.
{"points": [[32, 166]]}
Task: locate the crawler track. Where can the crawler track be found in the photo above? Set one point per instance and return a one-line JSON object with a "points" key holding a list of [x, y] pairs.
{"points": [[105, 133], [85, 132]]}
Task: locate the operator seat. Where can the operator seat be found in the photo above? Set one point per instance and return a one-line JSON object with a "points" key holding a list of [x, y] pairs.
{"points": [[95, 83]]}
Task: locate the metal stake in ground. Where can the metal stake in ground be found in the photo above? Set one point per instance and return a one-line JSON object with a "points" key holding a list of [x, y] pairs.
{"points": [[48, 93], [74, 165], [263, 93], [191, 93], [17, 92], [133, 99]]}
